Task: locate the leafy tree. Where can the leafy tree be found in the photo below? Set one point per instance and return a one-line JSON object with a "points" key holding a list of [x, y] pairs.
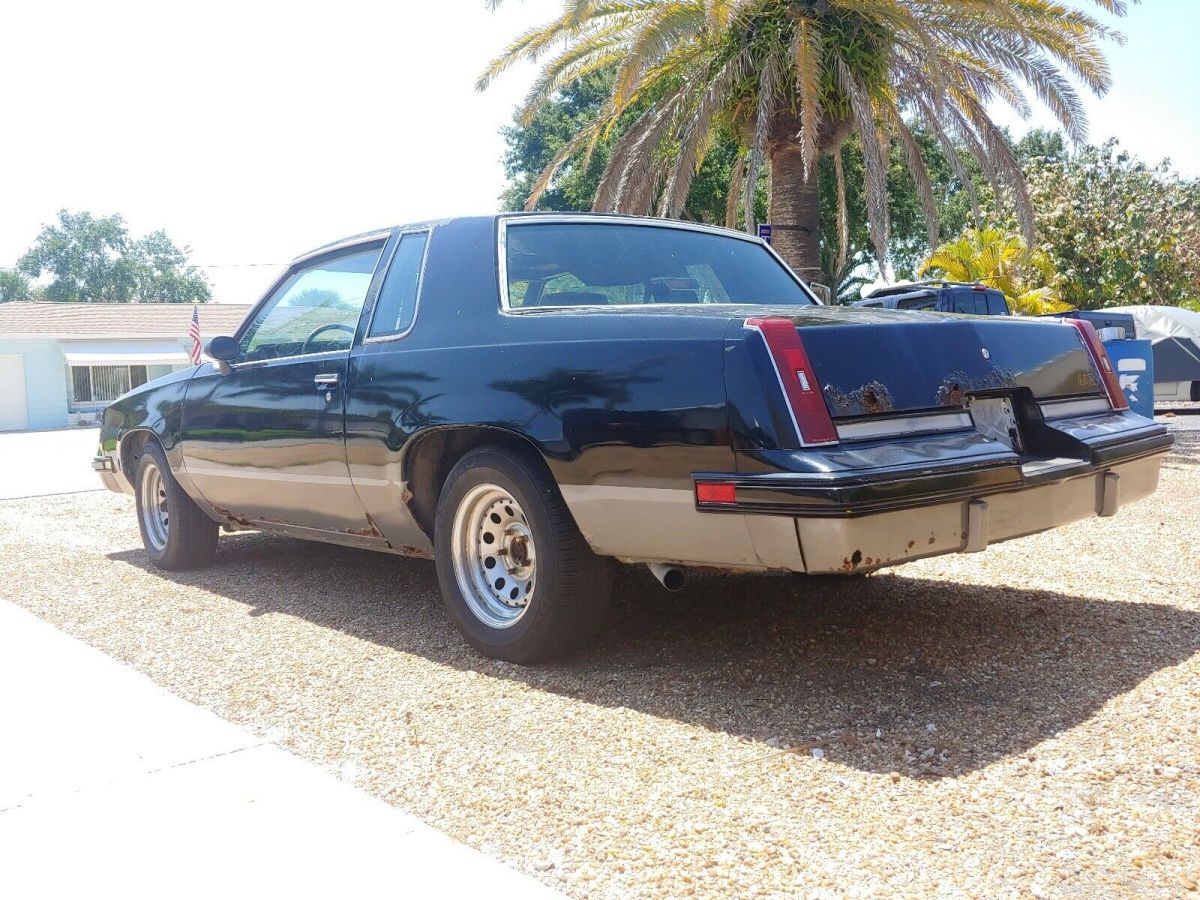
{"points": [[793, 80], [94, 260], [1041, 146], [531, 146], [1118, 231], [1003, 261], [164, 274], [13, 286]]}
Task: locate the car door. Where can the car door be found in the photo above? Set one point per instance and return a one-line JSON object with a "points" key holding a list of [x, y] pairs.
{"points": [[389, 384], [266, 442]]}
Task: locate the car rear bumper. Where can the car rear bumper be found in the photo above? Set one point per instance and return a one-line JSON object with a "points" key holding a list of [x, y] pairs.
{"points": [[970, 524], [854, 522], [853, 494]]}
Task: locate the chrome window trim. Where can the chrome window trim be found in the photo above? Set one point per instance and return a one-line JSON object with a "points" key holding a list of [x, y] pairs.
{"points": [[1065, 409], [339, 249], [259, 363], [934, 423], [368, 237], [368, 338], [504, 222]]}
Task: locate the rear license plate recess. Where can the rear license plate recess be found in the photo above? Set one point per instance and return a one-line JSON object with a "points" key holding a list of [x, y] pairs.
{"points": [[996, 418]]}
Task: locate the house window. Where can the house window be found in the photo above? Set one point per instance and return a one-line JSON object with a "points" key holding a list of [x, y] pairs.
{"points": [[103, 384]]}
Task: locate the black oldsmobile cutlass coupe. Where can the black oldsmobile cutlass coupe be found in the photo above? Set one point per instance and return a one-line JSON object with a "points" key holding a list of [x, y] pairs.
{"points": [[526, 398]]}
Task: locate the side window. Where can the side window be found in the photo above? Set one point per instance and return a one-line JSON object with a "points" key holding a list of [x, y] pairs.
{"points": [[968, 303], [397, 304], [997, 305], [917, 303], [315, 310]]}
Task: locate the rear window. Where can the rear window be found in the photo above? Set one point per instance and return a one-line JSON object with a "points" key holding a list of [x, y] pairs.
{"points": [[970, 303], [917, 303], [601, 264]]}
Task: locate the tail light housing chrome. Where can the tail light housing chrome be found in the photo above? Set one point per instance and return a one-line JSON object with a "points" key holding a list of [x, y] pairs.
{"points": [[1091, 340], [801, 388]]}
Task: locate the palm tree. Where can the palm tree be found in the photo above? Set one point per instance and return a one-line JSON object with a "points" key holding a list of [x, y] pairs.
{"points": [[1003, 261], [795, 79]]}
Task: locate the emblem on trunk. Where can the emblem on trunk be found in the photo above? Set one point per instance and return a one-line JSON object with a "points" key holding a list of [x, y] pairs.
{"points": [[986, 353]]}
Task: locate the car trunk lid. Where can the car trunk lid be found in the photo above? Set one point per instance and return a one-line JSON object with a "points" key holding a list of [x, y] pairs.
{"points": [[887, 362]]}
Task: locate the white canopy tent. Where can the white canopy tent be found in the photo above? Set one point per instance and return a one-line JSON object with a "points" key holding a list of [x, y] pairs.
{"points": [[1175, 335]]}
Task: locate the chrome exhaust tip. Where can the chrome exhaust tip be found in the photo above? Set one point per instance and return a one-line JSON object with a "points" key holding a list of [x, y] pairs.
{"points": [[669, 577]]}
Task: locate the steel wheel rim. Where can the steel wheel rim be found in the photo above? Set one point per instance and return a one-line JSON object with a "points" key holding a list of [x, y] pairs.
{"points": [[156, 518], [495, 560]]}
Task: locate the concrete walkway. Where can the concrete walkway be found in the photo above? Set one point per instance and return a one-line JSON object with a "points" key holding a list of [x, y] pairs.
{"points": [[33, 463], [109, 784]]}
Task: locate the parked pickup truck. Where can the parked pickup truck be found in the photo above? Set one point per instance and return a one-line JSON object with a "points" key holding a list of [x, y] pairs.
{"points": [[527, 398], [939, 296]]}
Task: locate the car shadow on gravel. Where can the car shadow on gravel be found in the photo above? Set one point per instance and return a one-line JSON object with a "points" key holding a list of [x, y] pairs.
{"points": [[1186, 451], [885, 674]]}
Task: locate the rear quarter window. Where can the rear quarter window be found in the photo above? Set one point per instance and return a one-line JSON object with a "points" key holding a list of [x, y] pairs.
{"points": [[556, 264], [396, 308]]}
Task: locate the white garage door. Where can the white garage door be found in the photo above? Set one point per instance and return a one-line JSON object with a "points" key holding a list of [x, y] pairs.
{"points": [[14, 415]]}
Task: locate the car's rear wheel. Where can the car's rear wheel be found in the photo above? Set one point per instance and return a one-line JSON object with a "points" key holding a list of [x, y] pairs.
{"points": [[175, 531], [517, 577]]}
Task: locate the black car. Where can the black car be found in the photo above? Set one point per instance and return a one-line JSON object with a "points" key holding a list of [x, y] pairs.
{"points": [[939, 296], [527, 398]]}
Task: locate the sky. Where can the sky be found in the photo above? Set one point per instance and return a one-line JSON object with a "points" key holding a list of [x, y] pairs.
{"points": [[254, 131]]}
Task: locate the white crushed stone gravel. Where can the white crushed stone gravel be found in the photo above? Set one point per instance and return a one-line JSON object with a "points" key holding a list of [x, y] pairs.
{"points": [[1024, 722]]}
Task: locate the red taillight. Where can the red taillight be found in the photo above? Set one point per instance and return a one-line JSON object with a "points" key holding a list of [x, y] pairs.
{"points": [[716, 492], [1091, 340], [798, 380]]}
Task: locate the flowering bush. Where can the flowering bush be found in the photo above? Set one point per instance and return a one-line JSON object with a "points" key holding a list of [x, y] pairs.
{"points": [[1117, 230]]}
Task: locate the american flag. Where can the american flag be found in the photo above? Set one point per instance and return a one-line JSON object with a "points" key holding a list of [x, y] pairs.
{"points": [[194, 334]]}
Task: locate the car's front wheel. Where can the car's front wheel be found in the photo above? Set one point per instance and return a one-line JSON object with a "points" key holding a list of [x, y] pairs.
{"points": [[517, 577], [175, 531]]}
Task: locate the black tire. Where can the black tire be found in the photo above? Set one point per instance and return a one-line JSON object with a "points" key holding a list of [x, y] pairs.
{"points": [[190, 535], [572, 586]]}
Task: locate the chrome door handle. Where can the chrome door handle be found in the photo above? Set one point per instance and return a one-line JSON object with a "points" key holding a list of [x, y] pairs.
{"points": [[325, 382]]}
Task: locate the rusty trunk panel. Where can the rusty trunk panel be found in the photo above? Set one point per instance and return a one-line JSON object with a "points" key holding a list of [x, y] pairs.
{"points": [[922, 361]]}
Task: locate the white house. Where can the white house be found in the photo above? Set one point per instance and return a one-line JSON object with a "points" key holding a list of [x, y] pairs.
{"points": [[62, 363]]}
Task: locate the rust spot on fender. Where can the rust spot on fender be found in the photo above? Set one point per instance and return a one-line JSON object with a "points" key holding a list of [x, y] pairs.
{"points": [[911, 544], [232, 519], [407, 550], [372, 530]]}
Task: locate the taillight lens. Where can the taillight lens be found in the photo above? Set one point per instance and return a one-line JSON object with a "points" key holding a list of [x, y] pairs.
{"points": [[709, 492], [1112, 385], [814, 426]]}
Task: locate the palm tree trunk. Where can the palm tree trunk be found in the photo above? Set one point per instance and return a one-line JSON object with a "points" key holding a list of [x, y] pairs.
{"points": [[795, 213]]}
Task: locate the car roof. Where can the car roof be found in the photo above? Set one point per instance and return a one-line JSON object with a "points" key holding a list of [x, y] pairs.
{"points": [[382, 234], [923, 288]]}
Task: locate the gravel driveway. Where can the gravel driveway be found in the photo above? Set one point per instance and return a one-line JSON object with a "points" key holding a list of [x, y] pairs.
{"points": [[1023, 722]]}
